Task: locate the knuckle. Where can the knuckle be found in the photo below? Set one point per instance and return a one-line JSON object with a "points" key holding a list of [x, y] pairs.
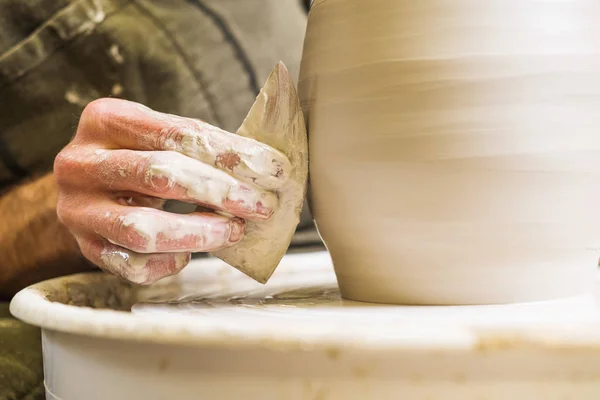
{"points": [[123, 233], [95, 116], [63, 210], [142, 168], [85, 247], [129, 233], [98, 107], [169, 138], [69, 210], [151, 172], [64, 166], [117, 228]]}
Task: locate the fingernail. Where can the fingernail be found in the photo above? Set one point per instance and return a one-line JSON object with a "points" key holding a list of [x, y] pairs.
{"points": [[265, 211], [266, 204], [254, 203], [236, 230]]}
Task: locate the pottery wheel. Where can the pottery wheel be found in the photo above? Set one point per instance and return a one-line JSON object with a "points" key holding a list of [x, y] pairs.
{"points": [[304, 287], [213, 331]]}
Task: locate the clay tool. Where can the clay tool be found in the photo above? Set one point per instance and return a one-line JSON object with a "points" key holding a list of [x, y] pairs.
{"points": [[275, 119]]}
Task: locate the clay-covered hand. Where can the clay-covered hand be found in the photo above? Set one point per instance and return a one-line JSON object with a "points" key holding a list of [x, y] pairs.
{"points": [[127, 159]]}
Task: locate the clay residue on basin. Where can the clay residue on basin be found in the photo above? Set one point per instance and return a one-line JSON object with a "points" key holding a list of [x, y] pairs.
{"points": [[114, 295], [92, 290]]}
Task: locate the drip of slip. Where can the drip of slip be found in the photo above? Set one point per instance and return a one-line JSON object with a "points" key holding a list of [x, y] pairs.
{"points": [[275, 119]]}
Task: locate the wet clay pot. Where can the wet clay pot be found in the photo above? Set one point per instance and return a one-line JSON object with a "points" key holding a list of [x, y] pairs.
{"points": [[455, 147]]}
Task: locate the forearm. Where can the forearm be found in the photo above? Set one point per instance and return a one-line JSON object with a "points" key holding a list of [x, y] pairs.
{"points": [[34, 245]]}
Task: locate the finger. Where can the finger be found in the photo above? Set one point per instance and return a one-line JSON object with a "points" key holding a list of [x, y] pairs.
{"points": [[142, 269], [147, 230], [133, 126], [173, 176]]}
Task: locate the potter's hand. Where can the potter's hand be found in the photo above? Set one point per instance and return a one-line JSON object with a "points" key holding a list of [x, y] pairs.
{"points": [[126, 160]]}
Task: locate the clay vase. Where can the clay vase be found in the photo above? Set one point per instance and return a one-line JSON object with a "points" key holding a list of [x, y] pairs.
{"points": [[455, 147]]}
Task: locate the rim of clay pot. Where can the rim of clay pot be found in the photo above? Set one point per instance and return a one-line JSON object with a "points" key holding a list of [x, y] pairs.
{"points": [[41, 305]]}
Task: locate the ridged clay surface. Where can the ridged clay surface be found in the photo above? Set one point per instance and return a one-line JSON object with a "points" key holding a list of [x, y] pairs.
{"points": [[455, 147]]}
